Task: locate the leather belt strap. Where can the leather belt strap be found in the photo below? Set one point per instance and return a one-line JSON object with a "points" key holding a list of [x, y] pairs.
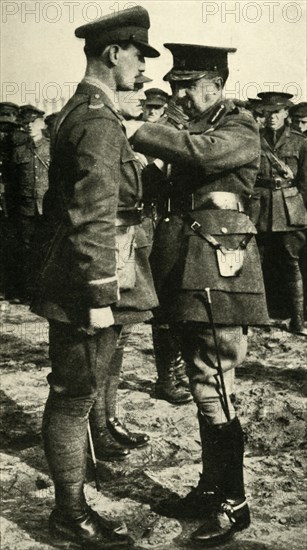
{"points": [[216, 200], [197, 228], [128, 217], [275, 185]]}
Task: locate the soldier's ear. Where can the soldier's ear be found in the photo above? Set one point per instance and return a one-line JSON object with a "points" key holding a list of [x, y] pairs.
{"points": [[218, 81], [113, 54]]}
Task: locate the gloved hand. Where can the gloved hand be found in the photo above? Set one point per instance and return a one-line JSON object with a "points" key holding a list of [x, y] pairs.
{"points": [[101, 317], [176, 116], [98, 318]]}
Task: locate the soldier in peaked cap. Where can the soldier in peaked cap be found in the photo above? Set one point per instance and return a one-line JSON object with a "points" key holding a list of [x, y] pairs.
{"points": [[31, 162], [155, 104], [299, 117], [9, 110], [214, 161], [255, 106], [279, 202], [29, 113], [96, 275]]}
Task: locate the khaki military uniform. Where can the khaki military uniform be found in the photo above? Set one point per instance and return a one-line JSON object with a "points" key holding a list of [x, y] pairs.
{"points": [[207, 158], [97, 255], [31, 164], [279, 210]]}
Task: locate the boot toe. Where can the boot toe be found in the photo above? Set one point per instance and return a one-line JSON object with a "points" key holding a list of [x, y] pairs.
{"points": [[195, 504], [222, 525], [176, 395], [123, 436], [90, 529], [107, 449]]}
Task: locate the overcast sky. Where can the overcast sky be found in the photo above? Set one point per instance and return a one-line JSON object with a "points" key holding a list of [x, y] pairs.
{"points": [[42, 59]]}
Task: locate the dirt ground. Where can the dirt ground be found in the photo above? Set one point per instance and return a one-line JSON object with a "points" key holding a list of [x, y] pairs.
{"points": [[271, 399]]}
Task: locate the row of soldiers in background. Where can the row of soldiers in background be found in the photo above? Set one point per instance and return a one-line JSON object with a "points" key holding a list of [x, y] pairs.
{"points": [[24, 156]]}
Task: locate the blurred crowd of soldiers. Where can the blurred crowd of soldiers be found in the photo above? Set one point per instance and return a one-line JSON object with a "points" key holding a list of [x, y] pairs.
{"points": [[25, 157]]}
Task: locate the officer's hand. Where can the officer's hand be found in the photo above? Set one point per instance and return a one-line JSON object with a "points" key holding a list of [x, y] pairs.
{"points": [[176, 116], [132, 126], [101, 318]]}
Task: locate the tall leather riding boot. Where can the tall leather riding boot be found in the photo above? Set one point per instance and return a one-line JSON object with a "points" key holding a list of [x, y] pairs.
{"points": [[166, 350], [208, 494], [296, 294], [232, 515]]}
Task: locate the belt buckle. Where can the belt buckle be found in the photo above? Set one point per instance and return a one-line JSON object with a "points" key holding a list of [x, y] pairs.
{"points": [[195, 226], [277, 182]]}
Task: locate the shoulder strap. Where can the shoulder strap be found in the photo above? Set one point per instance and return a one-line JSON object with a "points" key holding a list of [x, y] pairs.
{"points": [[279, 165], [67, 109]]}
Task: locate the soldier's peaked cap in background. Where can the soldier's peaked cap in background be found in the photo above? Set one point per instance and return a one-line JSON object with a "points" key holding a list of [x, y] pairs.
{"points": [[29, 113], [299, 110], [273, 101], [156, 96], [8, 108], [127, 25], [191, 61]]}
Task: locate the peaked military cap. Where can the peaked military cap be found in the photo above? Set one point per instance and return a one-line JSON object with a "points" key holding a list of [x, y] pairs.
{"points": [[299, 110], [127, 25], [254, 104], [7, 108], [156, 96], [7, 123], [192, 61], [273, 101], [29, 113]]}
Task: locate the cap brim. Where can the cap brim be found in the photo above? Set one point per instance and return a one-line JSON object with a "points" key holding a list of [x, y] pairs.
{"points": [[5, 120], [272, 108], [146, 49], [183, 75], [156, 103]]}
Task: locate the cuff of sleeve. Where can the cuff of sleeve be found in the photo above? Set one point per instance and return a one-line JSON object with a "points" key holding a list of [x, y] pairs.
{"points": [[102, 293]]}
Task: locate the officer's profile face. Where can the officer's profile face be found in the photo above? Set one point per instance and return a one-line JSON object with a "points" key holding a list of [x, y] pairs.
{"points": [[300, 123], [36, 128], [128, 64], [197, 96], [276, 119], [153, 113], [130, 103]]}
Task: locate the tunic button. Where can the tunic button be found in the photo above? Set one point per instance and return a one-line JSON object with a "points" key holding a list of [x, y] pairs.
{"points": [[96, 96], [224, 229]]}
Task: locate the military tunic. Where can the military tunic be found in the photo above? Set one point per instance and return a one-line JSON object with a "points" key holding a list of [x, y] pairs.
{"points": [[32, 163], [278, 201], [97, 250], [207, 157]]}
